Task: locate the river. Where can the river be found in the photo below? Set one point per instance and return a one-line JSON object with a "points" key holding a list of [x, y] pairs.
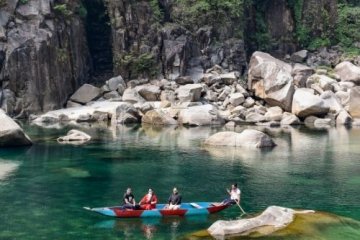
{"points": [[44, 187]]}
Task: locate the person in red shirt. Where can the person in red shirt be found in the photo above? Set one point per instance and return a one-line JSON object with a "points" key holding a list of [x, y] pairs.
{"points": [[149, 201]]}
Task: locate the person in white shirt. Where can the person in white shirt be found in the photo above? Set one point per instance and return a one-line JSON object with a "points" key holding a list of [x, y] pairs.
{"points": [[234, 195]]}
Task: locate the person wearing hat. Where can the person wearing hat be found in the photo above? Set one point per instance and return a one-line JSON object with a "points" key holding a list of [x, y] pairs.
{"points": [[149, 201], [174, 201]]}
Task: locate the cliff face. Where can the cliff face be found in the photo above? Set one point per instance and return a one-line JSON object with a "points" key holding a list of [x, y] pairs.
{"points": [[49, 47], [44, 56]]}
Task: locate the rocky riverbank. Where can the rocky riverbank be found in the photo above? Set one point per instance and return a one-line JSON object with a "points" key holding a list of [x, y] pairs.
{"points": [[276, 93]]}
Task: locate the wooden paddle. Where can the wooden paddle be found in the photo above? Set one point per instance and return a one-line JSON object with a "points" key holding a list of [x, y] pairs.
{"points": [[237, 203]]}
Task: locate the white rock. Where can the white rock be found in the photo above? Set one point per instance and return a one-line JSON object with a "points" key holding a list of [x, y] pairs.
{"points": [[149, 92], [290, 119], [236, 99], [189, 92], [348, 72], [343, 118], [332, 102], [274, 216], [255, 117], [200, 116], [274, 114], [249, 102], [306, 103], [248, 138], [271, 80], [74, 137], [131, 95], [11, 134], [323, 81]]}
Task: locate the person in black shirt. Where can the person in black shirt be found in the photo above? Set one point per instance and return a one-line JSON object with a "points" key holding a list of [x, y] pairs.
{"points": [[174, 201], [129, 200]]}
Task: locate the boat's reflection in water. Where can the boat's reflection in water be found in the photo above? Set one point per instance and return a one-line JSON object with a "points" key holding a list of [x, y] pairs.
{"points": [[149, 226]]}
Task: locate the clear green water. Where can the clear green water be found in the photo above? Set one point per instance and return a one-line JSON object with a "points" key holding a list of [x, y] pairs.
{"points": [[43, 197]]}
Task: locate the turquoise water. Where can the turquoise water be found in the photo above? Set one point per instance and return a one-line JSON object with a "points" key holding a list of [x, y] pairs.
{"points": [[46, 185]]}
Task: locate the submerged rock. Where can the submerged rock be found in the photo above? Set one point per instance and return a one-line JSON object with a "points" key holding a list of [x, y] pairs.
{"points": [[11, 134], [247, 138], [75, 137], [273, 218]]}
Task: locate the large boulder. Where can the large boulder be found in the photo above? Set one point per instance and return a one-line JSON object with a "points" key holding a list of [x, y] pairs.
{"points": [[273, 219], [271, 80], [247, 138], [74, 137], [354, 102], [306, 103], [343, 118], [348, 72], [200, 116], [158, 117], [11, 133], [149, 92], [274, 114], [85, 94], [189, 92]]}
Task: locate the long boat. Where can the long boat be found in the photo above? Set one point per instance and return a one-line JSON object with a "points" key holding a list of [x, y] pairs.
{"points": [[186, 209]]}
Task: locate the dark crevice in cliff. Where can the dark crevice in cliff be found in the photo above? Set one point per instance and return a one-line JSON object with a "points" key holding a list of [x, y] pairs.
{"points": [[98, 32]]}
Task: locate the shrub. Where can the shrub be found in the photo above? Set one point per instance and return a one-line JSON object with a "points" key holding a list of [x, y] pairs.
{"points": [[63, 10]]}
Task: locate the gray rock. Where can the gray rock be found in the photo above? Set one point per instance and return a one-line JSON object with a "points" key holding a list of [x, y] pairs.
{"points": [[71, 104], [348, 72], [131, 95], [236, 99], [299, 56], [255, 117], [273, 217], [11, 134], [332, 102], [85, 94], [310, 120], [306, 103], [301, 73], [111, 95], [290, 119], [343, 118], [149, 92], [354, 102], [183, 80], [323, 122], [114, 83], [158, 117], [189, 92], [274, 114], [323, 81], [249, 102], [271, 80], [248, 138], [200, 116]]}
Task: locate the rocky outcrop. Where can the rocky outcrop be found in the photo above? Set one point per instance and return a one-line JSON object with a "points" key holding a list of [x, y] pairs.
{"points": [[74, 137], [11, 134], [306, 103], [273, 218], [44, 56], [271, 80], [189, 93], [248, 138]]}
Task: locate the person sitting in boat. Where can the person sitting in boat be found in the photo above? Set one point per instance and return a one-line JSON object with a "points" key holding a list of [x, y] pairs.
{"points": [[149, 201], [129, 200], [174, 201], [234, 195]]}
